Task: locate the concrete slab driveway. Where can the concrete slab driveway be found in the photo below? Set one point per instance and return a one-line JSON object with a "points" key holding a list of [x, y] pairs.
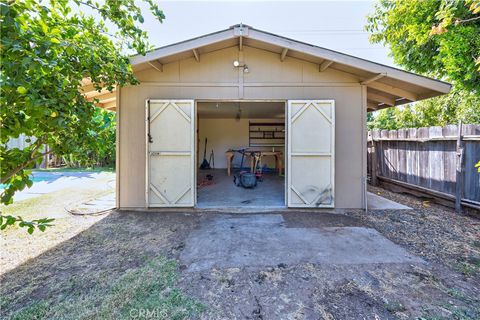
{"points": [[294, 265], [259, 240]]}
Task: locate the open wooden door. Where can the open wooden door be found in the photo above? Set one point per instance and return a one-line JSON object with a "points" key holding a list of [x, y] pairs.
{"points": [[311, 151], [170, 172]]}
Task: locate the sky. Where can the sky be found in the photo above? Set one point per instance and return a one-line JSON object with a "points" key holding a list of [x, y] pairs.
{"points": [[337, 25]]}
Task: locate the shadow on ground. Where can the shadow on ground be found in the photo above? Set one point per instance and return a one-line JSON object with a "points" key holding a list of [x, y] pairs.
{"points": [[301, 286]]}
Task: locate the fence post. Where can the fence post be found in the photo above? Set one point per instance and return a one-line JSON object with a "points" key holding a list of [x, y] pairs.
{"points": [[373, 158], [459, 173]]}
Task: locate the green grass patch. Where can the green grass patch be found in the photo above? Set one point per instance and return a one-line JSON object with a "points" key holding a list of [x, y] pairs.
{"points": [[147, 292], [394, 307], [466, 268]]}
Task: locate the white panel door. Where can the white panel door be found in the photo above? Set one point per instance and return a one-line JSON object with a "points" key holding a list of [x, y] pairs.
{"points": [[311, 148], [170, 126]]}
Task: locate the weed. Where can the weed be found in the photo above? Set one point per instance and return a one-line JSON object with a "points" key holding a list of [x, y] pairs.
{"points": [[394, 307], [37, 310], [455, 293], [466, 268], [148, 290]]}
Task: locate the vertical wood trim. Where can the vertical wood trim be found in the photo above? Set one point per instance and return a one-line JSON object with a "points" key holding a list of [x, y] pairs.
{"points": [[286, 163], [373, 165], [333, 156], [240, 76], [364, 145], [193, 150], [147, 155], [289, 152], [459, 173], [117, 150]]}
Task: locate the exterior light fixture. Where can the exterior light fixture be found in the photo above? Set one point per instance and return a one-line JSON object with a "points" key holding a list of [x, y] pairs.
{"points": [[237, 64]]}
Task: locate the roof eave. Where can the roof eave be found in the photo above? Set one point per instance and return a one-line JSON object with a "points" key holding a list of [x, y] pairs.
{"points": [[434, 87], [182, 46]]}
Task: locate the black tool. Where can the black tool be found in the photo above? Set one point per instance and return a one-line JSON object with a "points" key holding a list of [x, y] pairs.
{"points": [[211, 160], [205, 165]]}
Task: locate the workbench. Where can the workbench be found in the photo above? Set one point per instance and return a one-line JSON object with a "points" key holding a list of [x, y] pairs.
{"points": [[260, 154]]}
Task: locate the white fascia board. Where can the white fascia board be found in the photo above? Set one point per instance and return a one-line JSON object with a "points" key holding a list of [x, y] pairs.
{"points": [[355, 62], [188, 45]]}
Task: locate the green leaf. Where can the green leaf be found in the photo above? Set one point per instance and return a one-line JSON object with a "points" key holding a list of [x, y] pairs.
{"points": [[47, 50], [21, 90]]}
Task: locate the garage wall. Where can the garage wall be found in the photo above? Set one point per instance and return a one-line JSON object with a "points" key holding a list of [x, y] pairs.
{"points": [[214, 77], [224, 134]]}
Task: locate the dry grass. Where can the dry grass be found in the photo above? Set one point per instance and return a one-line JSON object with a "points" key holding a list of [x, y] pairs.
{"points": [[432, 231], [147, 290], [19, 246], [115, 269]]}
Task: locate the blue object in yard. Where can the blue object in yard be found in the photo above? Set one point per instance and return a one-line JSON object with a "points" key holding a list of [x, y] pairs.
{"points": [[34, 178], [248, 180]]}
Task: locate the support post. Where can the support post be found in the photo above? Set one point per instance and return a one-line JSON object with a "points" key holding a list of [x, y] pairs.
{"points": [[459, 171]]}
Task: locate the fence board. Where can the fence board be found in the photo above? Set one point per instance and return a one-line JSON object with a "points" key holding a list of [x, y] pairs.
{"points": [[426, 157]]}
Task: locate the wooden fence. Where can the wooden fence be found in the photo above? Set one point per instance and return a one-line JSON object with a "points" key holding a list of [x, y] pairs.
{"points": [[435, 160]]}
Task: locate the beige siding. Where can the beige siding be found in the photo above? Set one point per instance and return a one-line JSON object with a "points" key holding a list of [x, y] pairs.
{"points": [[214, 77]]}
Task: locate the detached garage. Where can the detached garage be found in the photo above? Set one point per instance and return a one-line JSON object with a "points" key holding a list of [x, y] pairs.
{"points": [[294, 112]]}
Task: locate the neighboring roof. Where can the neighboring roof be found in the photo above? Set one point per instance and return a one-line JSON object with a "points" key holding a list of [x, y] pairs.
{"points": [[386, 86]]}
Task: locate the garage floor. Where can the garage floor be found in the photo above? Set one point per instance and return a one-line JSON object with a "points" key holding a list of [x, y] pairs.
{"points": [[223, 193]]}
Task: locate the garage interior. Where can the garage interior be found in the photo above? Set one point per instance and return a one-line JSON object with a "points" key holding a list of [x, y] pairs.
{"points": [[224, 129]]}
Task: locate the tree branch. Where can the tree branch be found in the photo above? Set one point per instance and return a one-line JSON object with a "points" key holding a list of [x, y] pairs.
{"points": [[27, 163], [467, 20]]}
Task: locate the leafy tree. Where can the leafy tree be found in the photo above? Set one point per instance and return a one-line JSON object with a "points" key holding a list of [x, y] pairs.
{"points": [[46, 50], [432, 37], [406, 117], [384, 119], [438, 38], [102, 151], [439, 111], [449, 109]]}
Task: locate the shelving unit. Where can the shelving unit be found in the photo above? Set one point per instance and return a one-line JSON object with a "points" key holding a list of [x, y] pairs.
{"points": [[266, 134]]}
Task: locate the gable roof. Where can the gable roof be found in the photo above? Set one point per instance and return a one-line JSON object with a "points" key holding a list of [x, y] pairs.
{"points": [[386, 86]]}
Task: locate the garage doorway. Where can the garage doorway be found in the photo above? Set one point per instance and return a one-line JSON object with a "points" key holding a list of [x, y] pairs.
{"points": [[228, 131]]}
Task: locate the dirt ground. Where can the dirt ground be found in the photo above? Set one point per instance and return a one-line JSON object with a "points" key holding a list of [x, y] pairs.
{"points": [[51, 202], [447, 286]]}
